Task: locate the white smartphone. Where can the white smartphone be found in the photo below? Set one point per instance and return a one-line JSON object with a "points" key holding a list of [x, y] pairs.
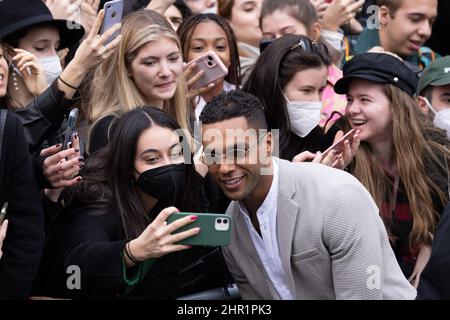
{"points": [[113, 14], [212, 67]]}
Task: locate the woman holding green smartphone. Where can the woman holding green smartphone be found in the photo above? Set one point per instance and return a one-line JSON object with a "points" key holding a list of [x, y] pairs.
{"points": [[114, 225]]}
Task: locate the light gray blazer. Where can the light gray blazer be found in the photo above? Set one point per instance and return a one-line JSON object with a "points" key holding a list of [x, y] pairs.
{"points": [[332, 241]]}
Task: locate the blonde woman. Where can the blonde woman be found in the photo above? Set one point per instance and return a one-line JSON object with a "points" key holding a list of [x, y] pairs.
{"points": [[146, 69]]}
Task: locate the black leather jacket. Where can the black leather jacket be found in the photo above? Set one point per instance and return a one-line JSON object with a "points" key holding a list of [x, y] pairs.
{"points": [[43, 117]]}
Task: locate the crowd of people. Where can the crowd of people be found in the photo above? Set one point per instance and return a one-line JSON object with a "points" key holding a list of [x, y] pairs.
{"points": [[325, 139]]}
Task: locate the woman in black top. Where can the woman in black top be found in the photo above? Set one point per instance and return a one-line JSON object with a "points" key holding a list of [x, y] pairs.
{"points": [[114, 226]]}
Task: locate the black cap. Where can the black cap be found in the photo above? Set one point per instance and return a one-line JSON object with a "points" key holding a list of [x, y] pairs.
{"points": [[16, 15], [380, 68]]}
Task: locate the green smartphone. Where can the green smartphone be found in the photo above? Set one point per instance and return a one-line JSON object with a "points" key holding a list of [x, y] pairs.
{"points": [[215, 229]]}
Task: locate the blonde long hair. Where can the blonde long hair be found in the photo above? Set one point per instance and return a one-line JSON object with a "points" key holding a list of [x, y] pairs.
{"points": [[421, 154], [113, 92]]}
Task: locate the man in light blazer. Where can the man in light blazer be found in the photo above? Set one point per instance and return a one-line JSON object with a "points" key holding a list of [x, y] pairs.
{"points": [[299, 231]]}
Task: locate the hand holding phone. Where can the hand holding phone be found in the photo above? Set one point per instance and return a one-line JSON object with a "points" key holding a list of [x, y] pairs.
{"points": [[215, 229], [212, 67], [338, 146], [113, 15], [71, 123]]}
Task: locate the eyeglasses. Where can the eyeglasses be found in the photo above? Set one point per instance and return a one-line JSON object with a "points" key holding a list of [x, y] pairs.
{"points": [[232, 156], [311, 47], [305, 45]]}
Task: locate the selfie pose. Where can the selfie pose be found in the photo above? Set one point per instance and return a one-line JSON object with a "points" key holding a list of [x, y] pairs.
{"points": [[114, 224]]}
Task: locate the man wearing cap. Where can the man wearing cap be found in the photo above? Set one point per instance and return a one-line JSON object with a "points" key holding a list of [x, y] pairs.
{"points": [[403, 26], [434, 93]]}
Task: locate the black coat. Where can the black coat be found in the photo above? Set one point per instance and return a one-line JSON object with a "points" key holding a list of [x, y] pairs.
{"points": [[80, 237], [24, 240], [43, 116], [435, 279]]}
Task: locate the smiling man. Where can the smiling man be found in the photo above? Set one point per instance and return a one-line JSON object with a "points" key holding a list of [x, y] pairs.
{"points": [[301, 230], [404, 27]]}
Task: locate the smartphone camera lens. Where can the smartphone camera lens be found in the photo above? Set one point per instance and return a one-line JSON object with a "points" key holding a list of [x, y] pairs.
{"points": [[210, 64], [113, 15], [219, 220], [210, 58], [225, 221]]}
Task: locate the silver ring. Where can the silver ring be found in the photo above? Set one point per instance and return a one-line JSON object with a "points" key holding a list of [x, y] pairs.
{"points": [[106, 47]]}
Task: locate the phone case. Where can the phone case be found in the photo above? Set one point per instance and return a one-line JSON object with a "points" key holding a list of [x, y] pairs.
{"points": [[113, 15], [212, 67], [215, 229], [348, 136], [71, 124]]}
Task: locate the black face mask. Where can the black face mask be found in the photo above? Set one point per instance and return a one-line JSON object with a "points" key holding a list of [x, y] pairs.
{"points": [[163, 183]]}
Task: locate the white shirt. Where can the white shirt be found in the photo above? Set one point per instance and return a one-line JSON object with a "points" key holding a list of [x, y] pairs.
{"points": [[267, 246], [200, 102]]}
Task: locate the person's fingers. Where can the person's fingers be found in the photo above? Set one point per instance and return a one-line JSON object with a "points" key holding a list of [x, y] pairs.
{"points": [[112, 46], [97, 25], [164, 214], [197, 92], [176, 247], [329, 158], [356, 142], [51, 150], [72, 172], [67, 183], [317, 157], [61, 155], [3, 228], [189, 70], [75, 143], [182, 235], [355, 6], [73, 10], [58, 171], [108, 33], [304, 156], [95, 4], [180, 223], [194, 78], [32, 65]]}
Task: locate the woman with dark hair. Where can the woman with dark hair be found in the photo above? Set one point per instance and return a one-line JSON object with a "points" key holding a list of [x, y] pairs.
{"points": [[114, 225], [299, 17], [289, 78], [209, 32]]}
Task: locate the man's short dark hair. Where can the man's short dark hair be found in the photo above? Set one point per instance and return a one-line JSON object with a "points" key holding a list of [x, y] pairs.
{"points": [[392, 5], [235, 104]]}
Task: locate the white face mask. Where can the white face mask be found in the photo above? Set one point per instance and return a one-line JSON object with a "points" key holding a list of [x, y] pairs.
{"points": [[213, 9], [52, 68], [441, 118], [303, 116]]}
